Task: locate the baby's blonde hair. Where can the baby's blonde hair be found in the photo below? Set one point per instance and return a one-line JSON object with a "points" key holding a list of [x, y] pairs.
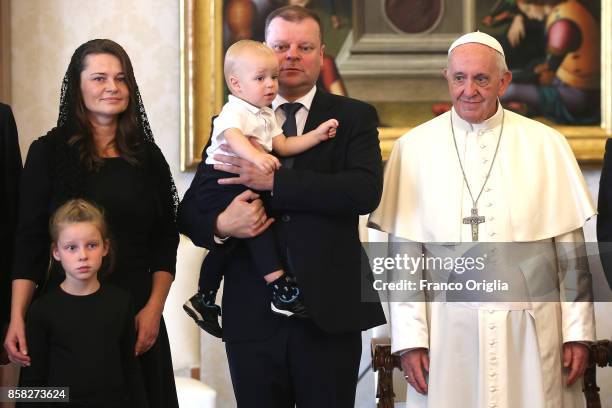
{"points": [[238, 50]]}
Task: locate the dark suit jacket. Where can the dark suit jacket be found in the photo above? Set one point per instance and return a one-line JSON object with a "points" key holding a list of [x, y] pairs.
{"points": [[604, 214], [316, 205], [10, 171]]}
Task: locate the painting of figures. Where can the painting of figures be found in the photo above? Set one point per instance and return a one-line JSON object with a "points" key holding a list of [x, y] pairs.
{"points": [[553, 50]]}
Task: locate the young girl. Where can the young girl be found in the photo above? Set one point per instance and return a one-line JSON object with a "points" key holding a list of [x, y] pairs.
{"points": [[81, 334]]}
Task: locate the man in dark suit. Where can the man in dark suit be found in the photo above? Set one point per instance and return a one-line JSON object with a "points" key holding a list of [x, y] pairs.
{"points": [[316, 198], [10, 170]]}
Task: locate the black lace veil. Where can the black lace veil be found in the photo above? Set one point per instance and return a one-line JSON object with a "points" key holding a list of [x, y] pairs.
{"points": [[67, 120]]}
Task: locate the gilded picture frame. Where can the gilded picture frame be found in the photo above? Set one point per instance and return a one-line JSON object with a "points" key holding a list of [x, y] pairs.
{"points": [[201, 86]]}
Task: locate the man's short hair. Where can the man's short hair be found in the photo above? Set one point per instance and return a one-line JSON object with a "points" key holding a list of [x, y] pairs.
{"points": [[295, 14], [237, 51]]}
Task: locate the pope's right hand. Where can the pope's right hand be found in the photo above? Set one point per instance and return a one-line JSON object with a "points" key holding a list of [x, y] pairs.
{"points": [[15, 343], [415, 364]]}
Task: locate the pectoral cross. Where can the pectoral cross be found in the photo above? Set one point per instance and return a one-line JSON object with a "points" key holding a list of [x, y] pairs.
{"points": [[474, 220]]}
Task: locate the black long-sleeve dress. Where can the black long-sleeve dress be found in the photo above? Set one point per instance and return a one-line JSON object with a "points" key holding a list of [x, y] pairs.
{"points": [[10, 170], [138, 204], [85, 343]]}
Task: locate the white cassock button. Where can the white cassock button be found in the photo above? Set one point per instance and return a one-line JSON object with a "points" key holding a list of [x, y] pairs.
{"points": [[491, 218], [492, 234], [487, 189], [493, 389], [491, 374], [489, 204], [483, 146], [491, 326], [492, 405], [492, 343]]}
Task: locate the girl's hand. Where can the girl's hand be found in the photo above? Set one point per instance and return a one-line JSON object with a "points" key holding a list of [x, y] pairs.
{"points": [[147, 329], [15, 343]]}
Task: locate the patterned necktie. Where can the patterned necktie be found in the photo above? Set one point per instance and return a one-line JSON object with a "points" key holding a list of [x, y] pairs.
{"points": [[289, 127]]}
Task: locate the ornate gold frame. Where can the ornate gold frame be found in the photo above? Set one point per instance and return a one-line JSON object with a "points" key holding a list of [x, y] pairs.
{"points": [[202, 86], [201, 79]]}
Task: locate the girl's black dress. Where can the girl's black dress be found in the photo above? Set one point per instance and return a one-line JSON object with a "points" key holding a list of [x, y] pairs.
{"points": [[85, 343]]}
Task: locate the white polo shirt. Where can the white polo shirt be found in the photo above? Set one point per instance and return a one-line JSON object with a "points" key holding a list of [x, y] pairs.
{"points": [[251, 120]]}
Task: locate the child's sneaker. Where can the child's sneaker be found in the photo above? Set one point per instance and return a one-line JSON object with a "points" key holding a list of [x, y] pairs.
{"points": [[286, 299], [206, 315]]}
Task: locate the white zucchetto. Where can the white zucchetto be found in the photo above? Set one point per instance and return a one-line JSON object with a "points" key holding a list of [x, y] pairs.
{"points": [[480, 38]]}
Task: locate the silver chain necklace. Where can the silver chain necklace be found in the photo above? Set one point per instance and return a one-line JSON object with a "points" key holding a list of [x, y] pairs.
{"points": [[474, 219]]}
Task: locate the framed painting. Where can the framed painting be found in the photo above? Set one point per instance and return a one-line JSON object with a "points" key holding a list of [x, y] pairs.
{"points": [[381, 53]]}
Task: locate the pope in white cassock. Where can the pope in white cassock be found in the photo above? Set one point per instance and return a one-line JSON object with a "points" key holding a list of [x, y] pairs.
{"points": [[482, 173]]}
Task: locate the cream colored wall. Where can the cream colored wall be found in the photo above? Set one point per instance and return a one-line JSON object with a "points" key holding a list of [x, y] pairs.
{"points": [[46, 32]]}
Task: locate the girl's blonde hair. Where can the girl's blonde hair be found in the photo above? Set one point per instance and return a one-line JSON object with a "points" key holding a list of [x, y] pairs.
{"points": [[76, 211]]}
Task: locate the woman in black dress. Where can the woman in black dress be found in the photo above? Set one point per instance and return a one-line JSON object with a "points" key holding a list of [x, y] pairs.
{"points": [[103, 150], [10, 171]]}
